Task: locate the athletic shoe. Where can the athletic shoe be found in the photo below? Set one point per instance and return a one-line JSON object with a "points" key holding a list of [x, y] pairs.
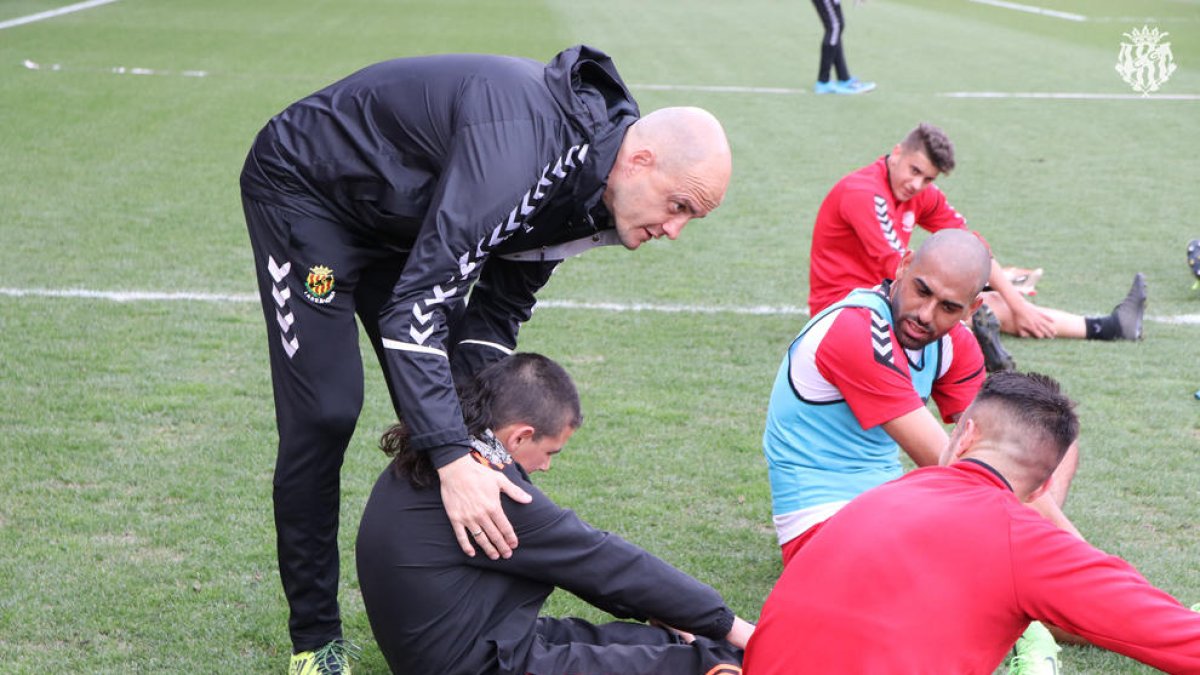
{"points": [[334, 657], [824, 88], [1129, 313], [986, 327], [1036, 653], [1193, 253], [1023, 279], [852, 86]]}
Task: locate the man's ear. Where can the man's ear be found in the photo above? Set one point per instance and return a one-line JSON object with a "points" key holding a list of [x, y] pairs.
{"points": [[642, 157], [513, 435], [965, 436], [905, 261], [975, 305]]}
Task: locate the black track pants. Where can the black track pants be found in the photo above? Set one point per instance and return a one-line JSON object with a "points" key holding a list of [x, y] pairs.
{"points": [[313, 277], [832, 55], [578, 647]]}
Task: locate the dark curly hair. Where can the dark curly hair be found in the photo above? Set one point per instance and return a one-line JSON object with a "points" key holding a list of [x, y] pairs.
{"points": [[523, 388], [933, 142]]}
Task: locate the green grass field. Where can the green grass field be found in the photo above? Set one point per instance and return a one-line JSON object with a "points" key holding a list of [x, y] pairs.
{"points": [[135, 514]]}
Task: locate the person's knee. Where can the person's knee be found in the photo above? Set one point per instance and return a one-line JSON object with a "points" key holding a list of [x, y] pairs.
{"points": [[331, 420]]}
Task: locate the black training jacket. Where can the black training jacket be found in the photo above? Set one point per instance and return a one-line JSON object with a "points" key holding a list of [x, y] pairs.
{"points": [[435, 610], [455, 158]]}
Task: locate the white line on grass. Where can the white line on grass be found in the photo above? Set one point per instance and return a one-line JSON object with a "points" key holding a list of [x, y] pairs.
{"points": [[50, 14], [1033, 10], [116, 70], [754, 310], [1070, 95], [718, 89]]}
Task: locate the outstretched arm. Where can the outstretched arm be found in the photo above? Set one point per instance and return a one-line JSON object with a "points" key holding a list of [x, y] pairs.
{"points": [[919, 435], [1028, 320]]}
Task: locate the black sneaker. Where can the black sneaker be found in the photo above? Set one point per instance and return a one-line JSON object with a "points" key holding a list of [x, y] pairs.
{"points": [[1131, 310], [986, 327]]}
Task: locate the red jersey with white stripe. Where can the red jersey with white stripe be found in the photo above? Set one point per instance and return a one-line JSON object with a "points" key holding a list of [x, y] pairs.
{"points": [[940, 571], [862, 232]]}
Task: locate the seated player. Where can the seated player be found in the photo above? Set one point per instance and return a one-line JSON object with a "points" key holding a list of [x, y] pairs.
{"points": [[435, 610], [853, 385], [864, 226], [941, 570], [851, 390]]}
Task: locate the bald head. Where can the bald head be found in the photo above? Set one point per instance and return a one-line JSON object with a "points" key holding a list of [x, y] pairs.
{"points": [[938, 286], [673, 165], [688, 142], [956, 253]]}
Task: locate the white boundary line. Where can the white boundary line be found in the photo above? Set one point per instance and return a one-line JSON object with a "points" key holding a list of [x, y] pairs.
{"points": [[1033, 10], [755, 310], [50, 14], [717, 89]]}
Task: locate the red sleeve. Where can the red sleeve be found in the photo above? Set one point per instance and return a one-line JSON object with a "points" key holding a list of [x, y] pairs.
{"points": [[954, 389], [935, 213], [860, 356], [868, 215], [1063, 580]]}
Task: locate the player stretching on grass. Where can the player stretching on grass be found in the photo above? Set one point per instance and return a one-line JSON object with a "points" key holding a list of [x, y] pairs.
{"points": [[434, 610], [864, 225], [392, 195], [853, 385], [940, 571]]}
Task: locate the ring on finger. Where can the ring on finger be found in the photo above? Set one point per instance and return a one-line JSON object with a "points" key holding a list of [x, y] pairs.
{"points": [[476, 534]]}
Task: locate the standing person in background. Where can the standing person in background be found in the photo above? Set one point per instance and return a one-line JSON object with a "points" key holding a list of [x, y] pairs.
{"points": [[391, 196], [833, 56]]}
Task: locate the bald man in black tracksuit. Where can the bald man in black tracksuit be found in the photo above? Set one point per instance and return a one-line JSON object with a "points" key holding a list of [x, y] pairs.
{"points": [[434, 610], [389, 195]]}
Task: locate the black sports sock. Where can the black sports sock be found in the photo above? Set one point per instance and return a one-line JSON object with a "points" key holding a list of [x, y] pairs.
{"points": [[1102, 327]]}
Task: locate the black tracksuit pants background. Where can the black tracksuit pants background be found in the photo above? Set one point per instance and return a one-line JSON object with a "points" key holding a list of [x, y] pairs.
{"points": [[317, 376], [581, 648], [832, 55]]}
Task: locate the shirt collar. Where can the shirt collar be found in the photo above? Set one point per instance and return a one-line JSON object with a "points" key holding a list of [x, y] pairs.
{"points": [[991, 470]]}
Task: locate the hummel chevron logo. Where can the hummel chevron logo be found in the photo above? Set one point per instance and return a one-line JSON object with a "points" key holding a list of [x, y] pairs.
{"points": [[885, 224], [579, 156], [285, 320], [278, 272], [419, 315], [419, 336], [881, 341], [440, 295], [542, 183], [559, 171], [281, 295], [290, 346], [469, 262]]}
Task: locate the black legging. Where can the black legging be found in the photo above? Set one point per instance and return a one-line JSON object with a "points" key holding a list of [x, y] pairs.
{"points": [[832, 56]]}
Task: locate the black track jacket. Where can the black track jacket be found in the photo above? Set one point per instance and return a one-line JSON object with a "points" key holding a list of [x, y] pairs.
{"points": [[435, 610], [455, 159]]}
